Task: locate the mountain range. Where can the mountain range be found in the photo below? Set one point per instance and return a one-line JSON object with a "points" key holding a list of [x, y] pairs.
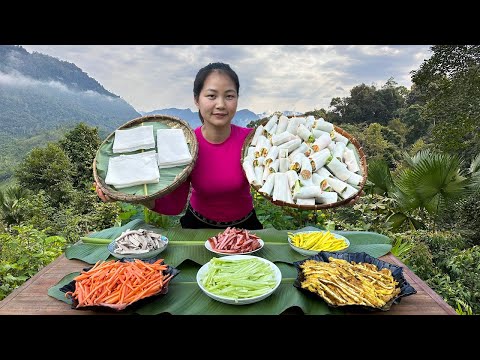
{"points": [[42, 97], [241, 118]]}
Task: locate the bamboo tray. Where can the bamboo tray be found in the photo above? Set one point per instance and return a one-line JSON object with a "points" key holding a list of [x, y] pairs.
{"points": [[353, 144], [170, 178]]}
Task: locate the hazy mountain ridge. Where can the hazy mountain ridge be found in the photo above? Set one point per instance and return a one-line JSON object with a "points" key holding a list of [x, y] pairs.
{"points": [[241, 118], [45, 68], [40, 93]]}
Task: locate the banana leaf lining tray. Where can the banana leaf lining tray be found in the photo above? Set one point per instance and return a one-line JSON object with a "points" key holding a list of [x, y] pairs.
{"points": [[170, 178]]}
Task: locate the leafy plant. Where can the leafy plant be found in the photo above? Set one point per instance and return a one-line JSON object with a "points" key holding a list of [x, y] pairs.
{"points": [[463, 308], [23, 252], [401, 248]]}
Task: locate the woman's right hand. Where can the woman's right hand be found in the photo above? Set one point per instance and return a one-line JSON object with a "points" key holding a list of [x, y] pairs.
{"points": [[100, 193]]}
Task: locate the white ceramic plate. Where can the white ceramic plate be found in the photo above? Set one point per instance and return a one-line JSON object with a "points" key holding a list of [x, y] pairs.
{"points": [[203, 270], [209, 247], [314, 252], [147, 255]]}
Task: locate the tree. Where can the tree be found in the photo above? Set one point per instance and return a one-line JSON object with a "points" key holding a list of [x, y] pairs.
{"points": [[80, 145], [9, 199], [367, 104], [450, 82], [47, 169]]}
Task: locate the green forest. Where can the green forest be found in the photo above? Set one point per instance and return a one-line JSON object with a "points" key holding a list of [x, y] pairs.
{"points": [[423, 151]]}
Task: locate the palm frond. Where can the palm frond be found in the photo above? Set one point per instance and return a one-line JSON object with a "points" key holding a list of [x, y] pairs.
{"points": [[434, 182], [475, 165], [379, 174]]}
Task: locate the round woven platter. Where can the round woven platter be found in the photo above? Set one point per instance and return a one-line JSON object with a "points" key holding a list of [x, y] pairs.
{"points": [[170, 178], [359, 153]]}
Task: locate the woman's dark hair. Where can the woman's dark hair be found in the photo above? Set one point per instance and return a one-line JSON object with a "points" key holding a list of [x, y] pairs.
{"points": [[207, 70]]}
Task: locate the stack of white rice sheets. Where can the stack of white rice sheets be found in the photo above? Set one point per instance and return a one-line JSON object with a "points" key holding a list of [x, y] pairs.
{"points": [[141, 168], [172, 148], [302, 161]]}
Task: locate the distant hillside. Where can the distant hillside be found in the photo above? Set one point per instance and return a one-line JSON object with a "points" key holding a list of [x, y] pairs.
{"points": [[42, 97], [40, 93], [242, 117]]}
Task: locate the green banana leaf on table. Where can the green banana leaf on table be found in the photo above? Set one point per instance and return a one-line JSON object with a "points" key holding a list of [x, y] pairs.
{"points": [[186, 251], [189, 244]]}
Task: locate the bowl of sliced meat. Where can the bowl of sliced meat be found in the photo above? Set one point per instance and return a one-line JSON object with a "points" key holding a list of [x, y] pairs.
{"points": [[234, 241], [138, 244]]}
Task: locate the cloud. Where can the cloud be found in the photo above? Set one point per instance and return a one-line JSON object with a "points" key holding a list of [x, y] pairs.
{"points": [[17, 80], [299, 77]]}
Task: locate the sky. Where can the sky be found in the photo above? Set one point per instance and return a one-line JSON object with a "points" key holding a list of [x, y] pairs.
{"points": [[272, 77]]}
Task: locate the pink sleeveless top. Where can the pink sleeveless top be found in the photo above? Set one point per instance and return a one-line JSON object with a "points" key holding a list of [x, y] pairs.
{"points": [[220, 189]]}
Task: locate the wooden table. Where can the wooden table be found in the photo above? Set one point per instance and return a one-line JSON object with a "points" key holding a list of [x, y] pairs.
{"points": [[32, 299]]}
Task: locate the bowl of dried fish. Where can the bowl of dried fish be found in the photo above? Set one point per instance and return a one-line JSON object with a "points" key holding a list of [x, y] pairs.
{"points": [[138, 244], [352, 280]]}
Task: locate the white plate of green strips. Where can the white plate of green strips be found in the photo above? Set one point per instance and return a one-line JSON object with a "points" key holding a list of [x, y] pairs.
{"points": [[239, 279]]}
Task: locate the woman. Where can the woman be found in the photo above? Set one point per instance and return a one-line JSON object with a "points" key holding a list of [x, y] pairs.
{"points": [[220, 195]]}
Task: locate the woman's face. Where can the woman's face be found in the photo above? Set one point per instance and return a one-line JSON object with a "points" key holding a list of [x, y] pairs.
{"points": [[218, 99]]}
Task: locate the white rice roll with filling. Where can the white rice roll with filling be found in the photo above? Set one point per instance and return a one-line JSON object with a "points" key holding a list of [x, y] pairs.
{"points": [[272, 155], [266, 172], [338, 150], [350, 191], [319, 159], [267, 187], [283, 165], [260, 142], [281, 190], [272, 131], [327, 197], [338, 169], [296, 162], [272, 121], [291, 145], [292, 126], [258, 132], [306, 201], [307, 192], [306, 170], [274, 166], [324, 172], [305, 182], [265, 147], [331, 146], [282, 124], [301, 120], [320, 181], [323, 125], [350, 160], [308, 151], [317, 133], [259, 174], [321, 143], [251, 151], [337, 185], [309, 122], [259, 161], [250, 171], [282, 138], [282, 153], [292, 178], [340, 138], [354, 179], [301, 149], [342, 188], [305, 134]]}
